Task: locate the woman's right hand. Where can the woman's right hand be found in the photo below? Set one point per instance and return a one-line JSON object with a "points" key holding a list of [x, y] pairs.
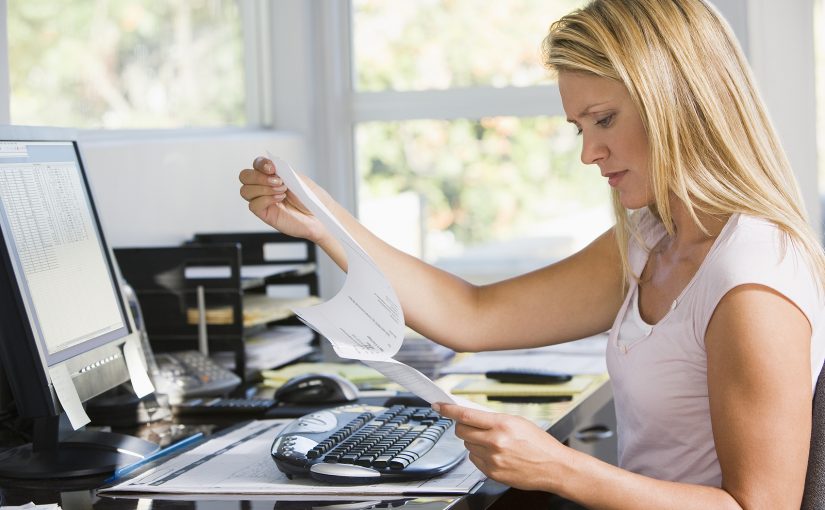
{"points": [[271, 201]]}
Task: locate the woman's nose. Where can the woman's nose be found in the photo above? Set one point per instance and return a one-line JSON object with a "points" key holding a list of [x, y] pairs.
{"points": [[593, 150]]}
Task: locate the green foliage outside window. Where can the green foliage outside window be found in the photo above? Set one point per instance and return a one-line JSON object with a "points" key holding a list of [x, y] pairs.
{"points": [[437, 44], [484, 180], [126, 63]]}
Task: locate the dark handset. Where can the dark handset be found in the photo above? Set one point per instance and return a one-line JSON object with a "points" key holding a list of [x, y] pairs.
{"points": [[530, 399], [528, 376]]}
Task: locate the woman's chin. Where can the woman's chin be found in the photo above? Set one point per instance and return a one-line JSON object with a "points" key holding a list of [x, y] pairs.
{"points": [[633, 203]]}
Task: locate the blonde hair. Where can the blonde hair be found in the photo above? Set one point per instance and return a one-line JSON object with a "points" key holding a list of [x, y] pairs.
{"points": [[711, 142]]}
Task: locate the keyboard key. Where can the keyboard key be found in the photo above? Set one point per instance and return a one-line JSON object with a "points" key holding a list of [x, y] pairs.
{"points": [[397, 463], [419, 446], [364, 460]]}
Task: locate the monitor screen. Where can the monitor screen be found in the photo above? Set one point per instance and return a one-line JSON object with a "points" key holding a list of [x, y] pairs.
{"points": [[58, 256]]}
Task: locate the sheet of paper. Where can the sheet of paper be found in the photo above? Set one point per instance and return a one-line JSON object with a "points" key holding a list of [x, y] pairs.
{"points": [[411, 379], [364, 321], [137, 371], [240, 463], [31, 506], [67, 395]]}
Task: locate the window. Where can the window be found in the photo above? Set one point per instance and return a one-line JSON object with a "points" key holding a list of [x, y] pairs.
{"points": [[463, 154], [819, 55], [126, 64]]}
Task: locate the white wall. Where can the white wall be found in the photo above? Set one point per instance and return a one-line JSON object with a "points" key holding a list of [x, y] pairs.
{"points": [[159, 189], [4, 66], [781, 38]]}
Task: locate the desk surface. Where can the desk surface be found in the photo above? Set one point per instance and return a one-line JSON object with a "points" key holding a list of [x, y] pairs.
{"points": [[563, 417]]}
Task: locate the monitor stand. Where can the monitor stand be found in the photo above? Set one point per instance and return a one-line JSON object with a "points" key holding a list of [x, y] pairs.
{"points": [[82, 453]]}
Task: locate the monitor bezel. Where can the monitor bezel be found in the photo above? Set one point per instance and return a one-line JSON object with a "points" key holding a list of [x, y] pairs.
{"points": [[24, 304]]}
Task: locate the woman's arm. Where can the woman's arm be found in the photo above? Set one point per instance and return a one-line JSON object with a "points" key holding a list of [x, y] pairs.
{"points": [[574, 298], [759, 383], [760, 398], [514, 451]]}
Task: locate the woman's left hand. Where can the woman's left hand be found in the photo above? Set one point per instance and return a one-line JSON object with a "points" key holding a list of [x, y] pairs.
{"points": [[509, 449]]}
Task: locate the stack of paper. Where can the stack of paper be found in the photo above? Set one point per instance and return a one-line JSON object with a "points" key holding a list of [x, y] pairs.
{"points": [[424, 355], [259, 309], [356, 373], [272, 347]]}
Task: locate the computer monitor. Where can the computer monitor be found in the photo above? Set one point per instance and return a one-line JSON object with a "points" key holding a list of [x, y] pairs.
{"points": [[64, 319]]}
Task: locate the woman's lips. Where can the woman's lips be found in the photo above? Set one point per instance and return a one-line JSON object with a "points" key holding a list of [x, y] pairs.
{"points": [[614, 178]]}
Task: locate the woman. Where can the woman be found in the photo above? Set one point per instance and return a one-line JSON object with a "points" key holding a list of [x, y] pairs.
{"points": [[710, 282]]}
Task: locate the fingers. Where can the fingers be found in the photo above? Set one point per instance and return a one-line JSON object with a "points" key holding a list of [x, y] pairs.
{"points": [[250, 191], [263, 165], [257, 184], [467, 416], [259, 205], [472, 435], [250, 176], [478, 462]]}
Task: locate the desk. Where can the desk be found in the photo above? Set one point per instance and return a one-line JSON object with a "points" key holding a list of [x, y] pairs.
{"points": [[565, 418]]}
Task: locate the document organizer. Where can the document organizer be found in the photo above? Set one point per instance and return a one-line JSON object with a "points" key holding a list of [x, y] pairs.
{"points": [[239, 280], [273, 266], [167, 281]]}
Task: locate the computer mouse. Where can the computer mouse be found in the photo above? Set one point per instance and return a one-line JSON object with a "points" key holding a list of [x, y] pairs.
{"points": [[316, 389]]}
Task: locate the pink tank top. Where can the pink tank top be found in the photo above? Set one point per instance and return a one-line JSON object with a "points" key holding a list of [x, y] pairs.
{"points": [[659, 372]]}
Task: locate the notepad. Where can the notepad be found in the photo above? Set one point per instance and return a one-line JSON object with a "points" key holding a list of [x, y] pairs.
{"points": [[493, 388], [356, 373]]}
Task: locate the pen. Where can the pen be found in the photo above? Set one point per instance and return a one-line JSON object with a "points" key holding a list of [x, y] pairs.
{"points": [[163, 452]]}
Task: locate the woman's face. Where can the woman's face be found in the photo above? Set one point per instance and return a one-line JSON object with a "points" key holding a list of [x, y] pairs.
{"points": [[613, 135]]}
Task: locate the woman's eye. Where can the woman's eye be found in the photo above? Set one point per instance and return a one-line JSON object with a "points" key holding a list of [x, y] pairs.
{"points": [[578, 130], [605, 121]]}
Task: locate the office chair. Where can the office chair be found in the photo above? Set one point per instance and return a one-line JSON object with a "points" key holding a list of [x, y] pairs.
{"points": [[814, 495]]}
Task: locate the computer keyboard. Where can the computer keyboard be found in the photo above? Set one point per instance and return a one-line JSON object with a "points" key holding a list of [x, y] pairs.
{"points": [[358, 444]]}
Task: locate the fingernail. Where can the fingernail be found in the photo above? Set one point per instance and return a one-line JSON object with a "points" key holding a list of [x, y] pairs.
{"points": [[270, 168], [275, 181], [437, 407]]}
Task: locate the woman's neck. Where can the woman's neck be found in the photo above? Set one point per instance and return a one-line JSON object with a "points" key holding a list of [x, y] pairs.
{"points": [[687, 232]]}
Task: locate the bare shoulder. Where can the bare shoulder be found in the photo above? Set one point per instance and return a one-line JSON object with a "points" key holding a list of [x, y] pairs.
{"points": [[759, 387], [756, 332]]}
